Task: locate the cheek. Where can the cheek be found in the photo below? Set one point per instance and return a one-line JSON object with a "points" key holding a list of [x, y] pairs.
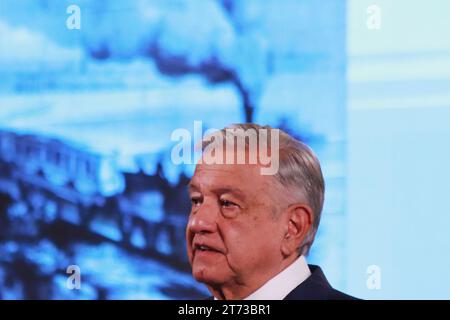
{"points": [[248, 243], [239, 239], [189, 238]]}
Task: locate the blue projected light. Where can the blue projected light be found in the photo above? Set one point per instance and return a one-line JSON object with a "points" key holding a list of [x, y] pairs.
{"points": [[91, 97], [91, 93]]}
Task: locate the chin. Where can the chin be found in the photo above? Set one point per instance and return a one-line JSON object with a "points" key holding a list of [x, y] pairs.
{"points": [[208, 276]]}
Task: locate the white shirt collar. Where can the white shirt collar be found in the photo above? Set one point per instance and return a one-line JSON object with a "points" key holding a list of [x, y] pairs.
{"points": [[283, 283]]}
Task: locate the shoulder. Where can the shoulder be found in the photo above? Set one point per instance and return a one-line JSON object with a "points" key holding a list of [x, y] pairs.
{"points": [[334, 294], [317, 287]]}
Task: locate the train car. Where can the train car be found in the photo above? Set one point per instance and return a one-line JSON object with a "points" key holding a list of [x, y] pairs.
{"points": [[107, 169]]}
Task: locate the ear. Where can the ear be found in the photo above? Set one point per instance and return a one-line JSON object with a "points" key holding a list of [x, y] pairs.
{"points": [[299, 219]]}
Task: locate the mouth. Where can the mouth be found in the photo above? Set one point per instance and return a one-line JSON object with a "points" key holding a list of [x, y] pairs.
{"points": [[205, 249]]}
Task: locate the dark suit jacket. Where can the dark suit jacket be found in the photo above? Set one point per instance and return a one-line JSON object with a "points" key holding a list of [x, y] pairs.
{"points": [[315, 287]]}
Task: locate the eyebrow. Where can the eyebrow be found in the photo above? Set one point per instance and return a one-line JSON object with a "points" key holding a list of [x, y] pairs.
{"points": [[230, 190], [192, 186], [221, 190]]}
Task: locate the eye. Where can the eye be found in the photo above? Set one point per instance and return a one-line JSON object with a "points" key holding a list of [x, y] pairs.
{"points": [[227, 204], [195, 201]]}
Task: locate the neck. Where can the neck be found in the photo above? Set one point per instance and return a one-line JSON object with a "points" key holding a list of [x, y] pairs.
{"points": [[240, 289]]}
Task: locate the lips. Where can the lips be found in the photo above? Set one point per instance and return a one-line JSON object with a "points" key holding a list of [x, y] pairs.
{"points": [[203, 247]]}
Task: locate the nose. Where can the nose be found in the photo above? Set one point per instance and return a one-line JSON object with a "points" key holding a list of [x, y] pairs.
{"points": [[203, 220]]}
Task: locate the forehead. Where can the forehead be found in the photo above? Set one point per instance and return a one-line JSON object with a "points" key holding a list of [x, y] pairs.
{"points": [[245, 177]]}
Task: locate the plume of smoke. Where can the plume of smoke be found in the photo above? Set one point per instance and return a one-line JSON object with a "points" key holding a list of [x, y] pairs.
{"points": [[180, 36]]}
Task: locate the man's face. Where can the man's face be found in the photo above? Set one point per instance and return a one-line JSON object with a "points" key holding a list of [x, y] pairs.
{"points": [[233, 235]]}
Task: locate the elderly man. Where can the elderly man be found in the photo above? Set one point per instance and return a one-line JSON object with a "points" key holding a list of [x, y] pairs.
{"points": [[248, 232]]}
